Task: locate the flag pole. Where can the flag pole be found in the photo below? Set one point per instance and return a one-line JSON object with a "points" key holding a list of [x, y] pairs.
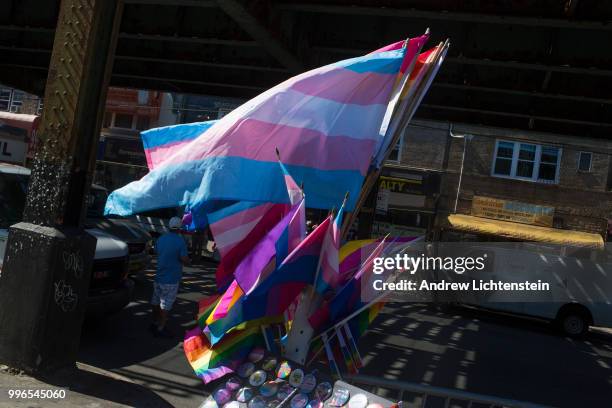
{"points": [[405, 115]]}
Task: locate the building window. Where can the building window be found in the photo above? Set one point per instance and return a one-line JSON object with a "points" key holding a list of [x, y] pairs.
{"points": [[16, 101], [39, 108], [526, 161], [222, 112], [585, 160], [142, 123], [396, 153], [123, 121], [108, 120], [5, 99]]}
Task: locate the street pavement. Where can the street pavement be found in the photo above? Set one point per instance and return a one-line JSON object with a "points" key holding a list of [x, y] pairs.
{"points": [[458, 348]]}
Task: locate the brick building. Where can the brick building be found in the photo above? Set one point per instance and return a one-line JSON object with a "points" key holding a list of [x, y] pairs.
{"points": [[506, 184], [121, 157]]}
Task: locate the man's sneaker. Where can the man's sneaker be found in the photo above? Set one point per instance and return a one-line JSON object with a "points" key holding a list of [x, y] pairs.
{"points": [[164, 333]]}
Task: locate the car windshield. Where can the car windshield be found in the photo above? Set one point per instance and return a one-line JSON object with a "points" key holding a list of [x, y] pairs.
{"points": [[96, 202], [13, 188]]}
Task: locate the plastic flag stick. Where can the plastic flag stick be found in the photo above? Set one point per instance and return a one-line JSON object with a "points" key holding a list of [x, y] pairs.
{"points": [[346, 354], [353, 346], [330, 356]]}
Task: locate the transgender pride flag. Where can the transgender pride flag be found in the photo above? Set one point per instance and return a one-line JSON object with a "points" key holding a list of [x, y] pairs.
{"points": [[328, 275], [325, 122]]}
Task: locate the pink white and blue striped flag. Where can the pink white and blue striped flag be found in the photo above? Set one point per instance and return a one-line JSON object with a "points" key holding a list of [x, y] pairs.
{"points": [[237, 229], [273, 295], [274, 247], [248, 234], [328, 275], [326, 122]]}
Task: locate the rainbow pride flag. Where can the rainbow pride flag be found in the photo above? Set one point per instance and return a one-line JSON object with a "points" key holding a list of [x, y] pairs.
{"points": [[212, 362], [326, 122], [360, 323], [205, 307]]}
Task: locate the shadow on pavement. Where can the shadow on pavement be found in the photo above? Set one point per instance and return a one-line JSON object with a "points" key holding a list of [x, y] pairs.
{"points": [[104, 386], [490, 354], [123, 343]]}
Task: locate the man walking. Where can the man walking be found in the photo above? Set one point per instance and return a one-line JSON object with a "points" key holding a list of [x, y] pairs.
{"points": [[171, 255]]}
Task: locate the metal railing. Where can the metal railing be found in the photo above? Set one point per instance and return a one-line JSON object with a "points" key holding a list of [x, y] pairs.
{"points": [[430, 393]]}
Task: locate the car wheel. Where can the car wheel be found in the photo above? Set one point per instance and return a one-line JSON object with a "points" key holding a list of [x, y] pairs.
{"points": [[574, 324]]}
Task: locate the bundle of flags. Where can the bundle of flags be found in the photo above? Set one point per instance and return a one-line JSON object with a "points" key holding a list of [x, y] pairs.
{"points": [[331, 126]]}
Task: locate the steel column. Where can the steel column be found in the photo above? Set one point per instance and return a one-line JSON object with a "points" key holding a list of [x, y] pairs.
{"points": [[45, 277]]}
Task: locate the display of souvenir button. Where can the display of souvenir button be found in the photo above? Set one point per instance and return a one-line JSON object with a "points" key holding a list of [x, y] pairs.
{"points": [[269, 388], [210, 403], [309, 384], [256, 355], [222, 395], [323, 391], [296, 378], [284, 391], [233, 384], [232, 404], [299, 401], [244, 394], [246, 370], [269, 363], [257, 402], [315, 403], [358, 401], [284, 370], [273, 404], [258, 378], [340, 397]]}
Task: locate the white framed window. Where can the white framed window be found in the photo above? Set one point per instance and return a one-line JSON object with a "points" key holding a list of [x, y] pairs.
{"points": [[526, 161], [16, 101], [5, 99], [585, 161], [123, 120], [396, 154]]}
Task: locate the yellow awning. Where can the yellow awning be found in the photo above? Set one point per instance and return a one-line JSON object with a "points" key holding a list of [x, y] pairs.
{"points": [[524, 232]]}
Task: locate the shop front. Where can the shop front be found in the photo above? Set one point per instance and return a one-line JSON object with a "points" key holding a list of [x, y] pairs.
{"points": [[17, 137], [404, 202], [499, 220]]}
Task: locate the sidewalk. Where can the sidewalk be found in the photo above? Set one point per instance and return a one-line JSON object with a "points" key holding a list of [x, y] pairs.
{"points": [[86, 386]]}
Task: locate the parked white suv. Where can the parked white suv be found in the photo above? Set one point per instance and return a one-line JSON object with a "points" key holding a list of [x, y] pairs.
{"points": [[110, 289]]}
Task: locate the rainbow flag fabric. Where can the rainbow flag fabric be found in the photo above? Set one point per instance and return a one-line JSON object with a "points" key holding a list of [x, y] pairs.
{"points": [[325, 122], [212, 362]]}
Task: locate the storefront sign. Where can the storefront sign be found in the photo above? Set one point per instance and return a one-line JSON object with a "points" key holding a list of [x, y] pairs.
{"points": [[401, 185], [382, 201], [513, 211], [13, 151]]}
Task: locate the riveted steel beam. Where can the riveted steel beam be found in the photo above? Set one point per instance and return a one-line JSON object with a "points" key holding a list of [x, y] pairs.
{"points": [[50, 253]]}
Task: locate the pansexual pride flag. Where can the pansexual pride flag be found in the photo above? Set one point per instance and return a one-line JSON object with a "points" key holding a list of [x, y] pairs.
{"points": [[325, 122]]}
